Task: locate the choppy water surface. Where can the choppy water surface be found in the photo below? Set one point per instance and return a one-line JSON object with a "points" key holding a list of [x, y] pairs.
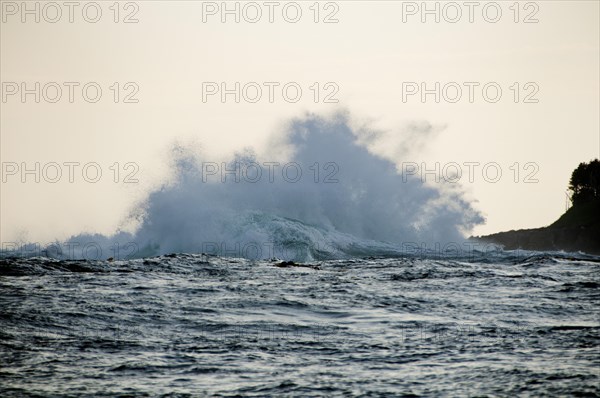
{"points": [[189, 325]]}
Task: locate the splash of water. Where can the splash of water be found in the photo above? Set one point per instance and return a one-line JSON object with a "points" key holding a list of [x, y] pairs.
{"points": [[332, 197]]}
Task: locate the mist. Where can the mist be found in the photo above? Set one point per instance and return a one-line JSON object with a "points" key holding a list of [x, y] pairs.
{"points": [[323, 190]]}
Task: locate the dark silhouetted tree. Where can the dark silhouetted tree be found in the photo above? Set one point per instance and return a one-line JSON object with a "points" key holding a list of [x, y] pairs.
{"points": [[585, 182]]}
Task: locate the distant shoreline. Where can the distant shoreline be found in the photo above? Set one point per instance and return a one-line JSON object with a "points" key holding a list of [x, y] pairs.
{"points": [[576, 230]]}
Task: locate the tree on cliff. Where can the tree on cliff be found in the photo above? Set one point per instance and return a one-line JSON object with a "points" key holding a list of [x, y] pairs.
{"points": [[585, 182]]}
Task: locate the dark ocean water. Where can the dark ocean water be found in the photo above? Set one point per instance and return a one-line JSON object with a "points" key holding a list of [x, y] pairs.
{"points": [[196, 325]]}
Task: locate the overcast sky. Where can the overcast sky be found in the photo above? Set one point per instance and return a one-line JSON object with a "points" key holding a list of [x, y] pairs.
{"points": [[368, 60]]}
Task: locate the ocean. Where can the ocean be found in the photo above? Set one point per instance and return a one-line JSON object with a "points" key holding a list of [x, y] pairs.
{"points": [[495, 323]]}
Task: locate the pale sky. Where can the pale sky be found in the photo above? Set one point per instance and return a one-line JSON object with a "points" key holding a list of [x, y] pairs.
{"points": [[368, 55]]}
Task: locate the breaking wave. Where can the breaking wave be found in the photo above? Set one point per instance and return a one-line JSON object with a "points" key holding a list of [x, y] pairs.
{"points": [[322, 192]]}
